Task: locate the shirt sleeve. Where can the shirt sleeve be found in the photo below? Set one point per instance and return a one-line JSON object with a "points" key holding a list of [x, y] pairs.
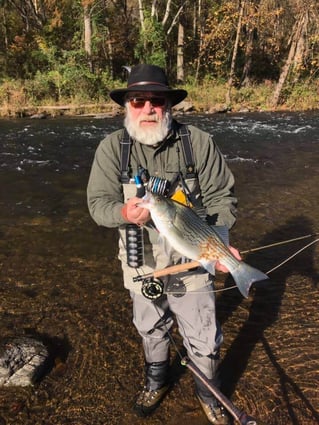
{"points": [[104, 191]]}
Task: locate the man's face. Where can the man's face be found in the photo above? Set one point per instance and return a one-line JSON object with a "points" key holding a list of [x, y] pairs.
{"points": [[148, 117]]}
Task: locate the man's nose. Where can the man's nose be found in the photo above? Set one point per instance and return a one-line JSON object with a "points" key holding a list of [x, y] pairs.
{"points": [[148, 107]]}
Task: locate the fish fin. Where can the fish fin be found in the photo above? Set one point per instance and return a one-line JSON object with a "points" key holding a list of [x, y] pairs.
{"points": [[201, 212], [208, 265], [245, 275]]}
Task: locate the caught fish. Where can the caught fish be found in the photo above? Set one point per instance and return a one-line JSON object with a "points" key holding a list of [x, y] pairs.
{"points": [[192, 237]]}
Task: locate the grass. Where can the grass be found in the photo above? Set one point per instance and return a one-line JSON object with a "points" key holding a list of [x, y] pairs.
{"points": [[210, 96]]}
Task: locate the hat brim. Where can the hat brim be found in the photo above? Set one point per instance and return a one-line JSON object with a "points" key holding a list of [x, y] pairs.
{"points": [[174, 95]]}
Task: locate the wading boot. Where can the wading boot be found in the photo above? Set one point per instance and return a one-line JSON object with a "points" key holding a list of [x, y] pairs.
{"points": [[156, 386], [215, 413], [213, 410]]}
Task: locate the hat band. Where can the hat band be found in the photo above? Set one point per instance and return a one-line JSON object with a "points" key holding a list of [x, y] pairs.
{"points": [[147, 83]]}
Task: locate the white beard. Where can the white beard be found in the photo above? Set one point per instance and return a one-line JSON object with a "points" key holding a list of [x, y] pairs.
{"points": [[148, 136]]}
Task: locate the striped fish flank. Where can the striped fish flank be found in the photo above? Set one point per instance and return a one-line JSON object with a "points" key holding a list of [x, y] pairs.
{"points": [[195, 239]]}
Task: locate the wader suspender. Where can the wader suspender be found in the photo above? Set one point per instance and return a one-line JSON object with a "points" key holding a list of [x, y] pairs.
{"points": [[187, 151], [186, 147], [126, 143]]}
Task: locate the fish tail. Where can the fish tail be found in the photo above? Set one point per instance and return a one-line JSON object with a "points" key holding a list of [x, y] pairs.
{"points": [[245, 275]]}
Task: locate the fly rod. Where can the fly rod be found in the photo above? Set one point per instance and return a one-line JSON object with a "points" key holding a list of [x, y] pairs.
{"points": [[193, 264], [241, 417]]}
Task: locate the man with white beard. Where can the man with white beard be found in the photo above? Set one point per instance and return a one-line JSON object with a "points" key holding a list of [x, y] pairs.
{"points": [[149, 125], [178, 161]]}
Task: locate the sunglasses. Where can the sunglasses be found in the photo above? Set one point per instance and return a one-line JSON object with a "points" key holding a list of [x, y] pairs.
{"points": [[139, 102]]}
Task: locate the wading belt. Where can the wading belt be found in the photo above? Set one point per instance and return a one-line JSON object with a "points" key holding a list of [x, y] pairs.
{"points": [[184, 134]]}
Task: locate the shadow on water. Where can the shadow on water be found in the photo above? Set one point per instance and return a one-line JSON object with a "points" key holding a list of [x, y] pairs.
{"points": [[264, 310], [286, 383]]}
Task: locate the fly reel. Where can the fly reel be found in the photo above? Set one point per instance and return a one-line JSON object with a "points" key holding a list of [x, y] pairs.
{"points": [[152, 289], [158, 186]]}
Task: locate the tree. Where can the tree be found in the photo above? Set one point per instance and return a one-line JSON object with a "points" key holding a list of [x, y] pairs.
{"points": [[250, 33], [157, 22], [216, 35], [236, 42], [4, 37], [32, 12], [180, 54], [235, 52], [87, 4], [295, 53]]}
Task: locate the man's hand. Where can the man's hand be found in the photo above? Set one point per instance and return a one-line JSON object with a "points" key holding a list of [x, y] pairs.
{"points": [[219, 267], [134, 214]]}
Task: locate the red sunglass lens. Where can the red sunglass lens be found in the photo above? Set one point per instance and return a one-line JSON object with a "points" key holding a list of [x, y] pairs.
{"points": [[139, 102]]}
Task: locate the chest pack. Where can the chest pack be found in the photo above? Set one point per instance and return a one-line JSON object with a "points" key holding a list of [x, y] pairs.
{"points": [[184, 134]]}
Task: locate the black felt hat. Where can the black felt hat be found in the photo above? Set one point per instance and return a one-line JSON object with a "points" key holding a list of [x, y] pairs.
{"points": [[148, 78]]}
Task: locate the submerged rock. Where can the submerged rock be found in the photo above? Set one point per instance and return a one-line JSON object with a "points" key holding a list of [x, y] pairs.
{"points": [[22, 361]]}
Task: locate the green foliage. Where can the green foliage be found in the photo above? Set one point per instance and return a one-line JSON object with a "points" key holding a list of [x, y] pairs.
{"points": [[8, 90], [67, 77], [217, 39], [150, 45], [254, 97], [46, 57], [303, 96], [40, 88]]}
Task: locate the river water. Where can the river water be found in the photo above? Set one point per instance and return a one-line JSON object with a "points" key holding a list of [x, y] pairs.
{"points": [[283, 148], [60, 279]]}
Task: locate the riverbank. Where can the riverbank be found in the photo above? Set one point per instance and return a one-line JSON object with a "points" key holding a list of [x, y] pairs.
{"points": [[206, 98]]}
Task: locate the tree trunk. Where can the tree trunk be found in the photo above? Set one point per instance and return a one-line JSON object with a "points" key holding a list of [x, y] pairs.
{"points": [[198, 27], [301, 47], [140, 10], [167, 12], [297, 34], [88, 35], [248, 63], [5, 38], [176, 17], [180, 54], [235, 52], [107, 44], [109, 51]]}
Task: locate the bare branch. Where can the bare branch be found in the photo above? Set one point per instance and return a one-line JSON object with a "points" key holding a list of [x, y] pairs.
{"points": [[176, 18], [167, 10]]}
